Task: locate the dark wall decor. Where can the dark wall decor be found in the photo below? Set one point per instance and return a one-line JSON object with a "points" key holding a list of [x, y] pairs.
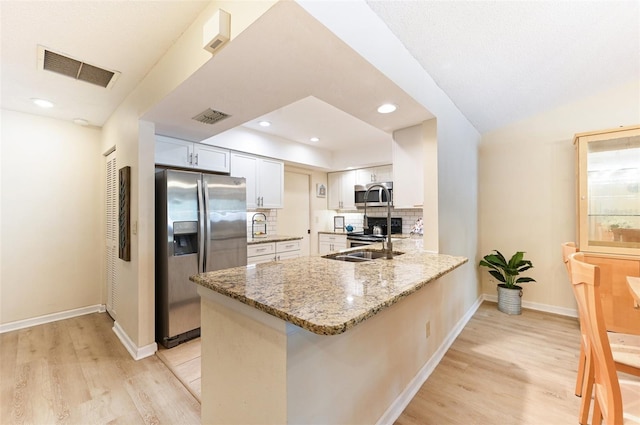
{"points": [[124, 214]]}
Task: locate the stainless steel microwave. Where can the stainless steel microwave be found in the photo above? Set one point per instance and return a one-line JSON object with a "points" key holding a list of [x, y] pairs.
{"points": [[377, 196]]}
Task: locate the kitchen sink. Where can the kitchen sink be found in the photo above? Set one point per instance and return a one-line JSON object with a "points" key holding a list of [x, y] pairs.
{"points": [[360, 255]]}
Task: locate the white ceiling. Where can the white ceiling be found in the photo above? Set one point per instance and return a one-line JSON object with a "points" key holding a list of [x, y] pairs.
{"points": [[502, 61], [126, 36], [498, 61]]}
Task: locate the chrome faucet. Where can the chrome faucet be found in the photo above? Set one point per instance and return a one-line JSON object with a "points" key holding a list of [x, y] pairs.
{"points": [[389, 247]]}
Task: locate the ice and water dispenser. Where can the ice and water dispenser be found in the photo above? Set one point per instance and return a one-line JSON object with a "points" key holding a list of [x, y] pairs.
{"points": [[185, 237]]}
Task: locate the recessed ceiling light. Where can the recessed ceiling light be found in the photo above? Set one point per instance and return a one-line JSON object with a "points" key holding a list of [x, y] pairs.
{"points": [[81, 122], [387, 108], [314, 139], [264, 123], [42, 103]]}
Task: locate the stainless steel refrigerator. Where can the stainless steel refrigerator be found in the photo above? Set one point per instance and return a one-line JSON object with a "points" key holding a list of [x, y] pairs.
{"points": [[200, 226]]}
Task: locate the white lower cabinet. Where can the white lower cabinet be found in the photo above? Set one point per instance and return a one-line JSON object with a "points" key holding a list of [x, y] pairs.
{"points": [[261, 253], [330, 243], [287, 249], [272, 251]]}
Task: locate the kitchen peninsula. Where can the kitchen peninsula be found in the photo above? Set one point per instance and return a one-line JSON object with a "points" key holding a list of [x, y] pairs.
{"points": [[315, 340]]}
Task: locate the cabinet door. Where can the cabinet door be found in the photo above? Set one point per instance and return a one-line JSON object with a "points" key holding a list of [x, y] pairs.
{"points": [[334, 191], [408, 150], [173, 152], [347, 193], [246, 166], [210, 158], [287, 255], [331, 243], [608, 195], [325, 247], [341, 191], [384, 173], [259, 259], [363, 176], [271, 183]]}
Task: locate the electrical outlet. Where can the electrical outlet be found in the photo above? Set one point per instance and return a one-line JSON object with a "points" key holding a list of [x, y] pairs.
{"points": [[428, 329]]}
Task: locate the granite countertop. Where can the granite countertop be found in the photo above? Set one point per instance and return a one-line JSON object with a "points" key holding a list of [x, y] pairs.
{"points": [[272, 238], [326, 296]]}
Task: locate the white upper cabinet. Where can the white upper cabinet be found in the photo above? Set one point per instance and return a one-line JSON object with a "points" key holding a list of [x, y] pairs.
{"points": [[265, 179], [181, 153], [382, 173], [341, 190], [415, 166]]}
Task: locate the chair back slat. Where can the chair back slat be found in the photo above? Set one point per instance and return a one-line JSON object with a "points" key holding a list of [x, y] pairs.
{"points": [[585, 279]]}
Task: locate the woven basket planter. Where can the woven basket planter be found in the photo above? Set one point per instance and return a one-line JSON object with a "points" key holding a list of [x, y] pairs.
{"points": [[509, 299]]}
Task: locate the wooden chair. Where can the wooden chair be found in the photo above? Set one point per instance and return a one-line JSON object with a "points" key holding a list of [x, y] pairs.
{"points": [[617, 401], [625, 349]]}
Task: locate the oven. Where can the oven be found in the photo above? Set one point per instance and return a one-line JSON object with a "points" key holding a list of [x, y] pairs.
{"points": [[367, 237], [360, 240]]}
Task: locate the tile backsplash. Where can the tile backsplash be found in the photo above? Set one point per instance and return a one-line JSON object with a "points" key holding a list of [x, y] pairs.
{"points": [[409, 217], [272, 222]]}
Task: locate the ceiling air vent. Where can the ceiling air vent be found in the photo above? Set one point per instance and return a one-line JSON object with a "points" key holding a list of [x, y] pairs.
{"points": [[65, 65], [210, 116]]}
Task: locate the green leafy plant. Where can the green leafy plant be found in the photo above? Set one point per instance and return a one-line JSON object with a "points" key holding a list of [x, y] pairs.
{"points": [[505, 271]]}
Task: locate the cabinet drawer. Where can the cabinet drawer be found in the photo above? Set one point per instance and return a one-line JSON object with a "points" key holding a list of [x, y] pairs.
{"points": [[286, 246], [335, 239], [261, 249]]}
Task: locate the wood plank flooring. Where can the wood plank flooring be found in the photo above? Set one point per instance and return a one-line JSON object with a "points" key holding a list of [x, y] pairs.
{"points": [[500, 370], [76, 371], [184, 361], [504, 370]]}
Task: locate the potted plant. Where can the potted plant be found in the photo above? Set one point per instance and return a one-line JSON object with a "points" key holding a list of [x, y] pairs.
{"points": [[507, 272]]}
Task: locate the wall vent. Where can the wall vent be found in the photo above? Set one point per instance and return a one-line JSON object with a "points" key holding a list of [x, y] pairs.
{"points": [[210, 116], [49, 60]]}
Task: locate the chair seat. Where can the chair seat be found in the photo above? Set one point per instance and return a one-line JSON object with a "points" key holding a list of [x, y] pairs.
{"points": [[630, 389], [625, 348]]}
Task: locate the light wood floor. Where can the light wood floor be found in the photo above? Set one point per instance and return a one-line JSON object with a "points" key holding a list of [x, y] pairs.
{"points": [[500, 370], [184, 361], [504, 370], [76, 371]]}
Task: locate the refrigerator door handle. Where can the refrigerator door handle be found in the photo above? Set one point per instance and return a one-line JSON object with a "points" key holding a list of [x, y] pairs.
{"points": [[207, 226], [201, 235]]}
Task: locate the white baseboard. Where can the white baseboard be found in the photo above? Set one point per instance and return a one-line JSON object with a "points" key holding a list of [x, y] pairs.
{"points": [[53, 317], [402, 401], [538, 306], [136, 352]]}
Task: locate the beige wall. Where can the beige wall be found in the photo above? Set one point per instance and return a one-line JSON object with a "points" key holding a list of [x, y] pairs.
{"points": [[527, 187], [319, 215], [52, 217]]}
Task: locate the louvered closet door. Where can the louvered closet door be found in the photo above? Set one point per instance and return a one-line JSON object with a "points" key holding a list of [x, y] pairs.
{"points": [[111, 233]]}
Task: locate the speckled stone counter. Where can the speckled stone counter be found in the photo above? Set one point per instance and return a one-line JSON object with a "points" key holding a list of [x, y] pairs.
{"points": [[328, 297], [272, 238]]}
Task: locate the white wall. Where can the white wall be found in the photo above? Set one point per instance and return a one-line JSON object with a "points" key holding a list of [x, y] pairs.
{"points": [[527, 182], [257, 143], [52, 225]]}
